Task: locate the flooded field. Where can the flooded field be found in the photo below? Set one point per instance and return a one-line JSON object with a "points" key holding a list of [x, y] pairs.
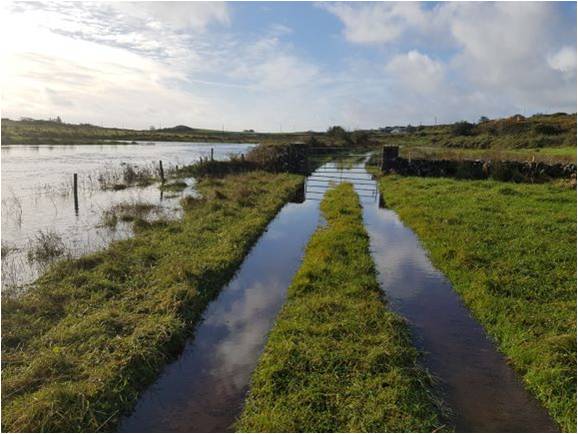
{"points": [[204, 390], [38, 212], [483, 392]]}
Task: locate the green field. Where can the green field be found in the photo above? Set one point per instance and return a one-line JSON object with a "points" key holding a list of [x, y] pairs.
{"points": [[37, 132], [510, 252], [79, 346], [337, 360]]}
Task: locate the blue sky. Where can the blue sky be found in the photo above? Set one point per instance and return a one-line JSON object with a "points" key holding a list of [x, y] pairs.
{"points": [[286, 66]]}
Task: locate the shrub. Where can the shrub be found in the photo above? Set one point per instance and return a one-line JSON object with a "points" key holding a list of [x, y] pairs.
{"points": [[462, 128], [547, 129]]}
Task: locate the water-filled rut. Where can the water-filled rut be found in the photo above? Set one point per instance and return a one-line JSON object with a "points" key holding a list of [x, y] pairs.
{"points": [[204, 390]]}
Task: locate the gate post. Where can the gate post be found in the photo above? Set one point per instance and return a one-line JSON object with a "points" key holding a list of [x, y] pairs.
{"points": [[388, 156]]}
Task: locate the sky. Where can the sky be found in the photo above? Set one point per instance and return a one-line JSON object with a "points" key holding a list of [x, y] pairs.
{"points": [[285, 66]]}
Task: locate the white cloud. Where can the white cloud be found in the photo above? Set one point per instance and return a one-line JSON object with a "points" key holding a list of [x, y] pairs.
{"points": [[178, 15], [515, 55], [268, 65], [376, 22], [417, 71], [564, 60]]}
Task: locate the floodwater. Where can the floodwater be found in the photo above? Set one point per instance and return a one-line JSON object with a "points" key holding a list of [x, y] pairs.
{"points": [[483, 392], [204, 390], [37, 195]]}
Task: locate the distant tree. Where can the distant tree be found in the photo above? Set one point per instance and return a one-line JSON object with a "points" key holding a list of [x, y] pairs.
{"points": [[58, 120], [462, 128], [483, 119], [336, 131], [152, 128], [339, 134]]}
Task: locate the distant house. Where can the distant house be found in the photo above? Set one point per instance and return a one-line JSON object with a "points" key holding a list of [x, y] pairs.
{"points": [[393, 130]]}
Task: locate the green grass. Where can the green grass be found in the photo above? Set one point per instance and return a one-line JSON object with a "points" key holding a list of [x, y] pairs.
{"points": [[337, 359], [79, 346], [510, 252]]}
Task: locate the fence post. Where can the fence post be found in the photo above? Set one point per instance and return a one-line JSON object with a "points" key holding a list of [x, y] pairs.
{"points": [[211, 154], [75, 187], [162, 171]]}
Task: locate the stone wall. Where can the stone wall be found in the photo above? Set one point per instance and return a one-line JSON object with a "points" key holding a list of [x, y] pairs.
{"points": [[517, 171], [478, 169]]}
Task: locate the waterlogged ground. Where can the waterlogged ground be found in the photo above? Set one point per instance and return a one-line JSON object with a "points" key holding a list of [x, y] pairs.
{"points": [[37, 199], [204, 389]]}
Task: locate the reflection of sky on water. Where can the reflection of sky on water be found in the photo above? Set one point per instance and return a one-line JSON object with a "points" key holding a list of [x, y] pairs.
{"points": [[205, 388], [482, 390]]}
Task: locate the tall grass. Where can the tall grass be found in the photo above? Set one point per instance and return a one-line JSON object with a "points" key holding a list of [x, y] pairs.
{"points": [[45, 247]]}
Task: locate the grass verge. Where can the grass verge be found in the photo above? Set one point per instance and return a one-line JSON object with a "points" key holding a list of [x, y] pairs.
{"points": [[510, 252], [80, 345], [337, 359]]}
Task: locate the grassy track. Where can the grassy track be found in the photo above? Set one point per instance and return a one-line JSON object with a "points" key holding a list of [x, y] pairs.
{"points": [[337, 359], [510, 252], [81, 344]]}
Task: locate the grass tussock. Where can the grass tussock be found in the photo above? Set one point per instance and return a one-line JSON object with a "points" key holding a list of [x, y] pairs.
{"points": [[91, 333], [45, 247], [125, 176], [337, 360], [127, 212], [510, 252]]}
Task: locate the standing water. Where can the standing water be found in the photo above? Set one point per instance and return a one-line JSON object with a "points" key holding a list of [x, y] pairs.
{"points": [[481, 389], [37, 196], [204, 390]]}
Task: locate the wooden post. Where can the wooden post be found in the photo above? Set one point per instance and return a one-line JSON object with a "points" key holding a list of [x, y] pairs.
{"points": [[242, 157], [75, 187], [162, 171], [211, 154]]}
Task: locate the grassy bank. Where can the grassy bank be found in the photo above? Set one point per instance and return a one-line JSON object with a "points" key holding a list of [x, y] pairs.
{"points": [[517, 132], [82, 343], [337, 359], [510, 252]]}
